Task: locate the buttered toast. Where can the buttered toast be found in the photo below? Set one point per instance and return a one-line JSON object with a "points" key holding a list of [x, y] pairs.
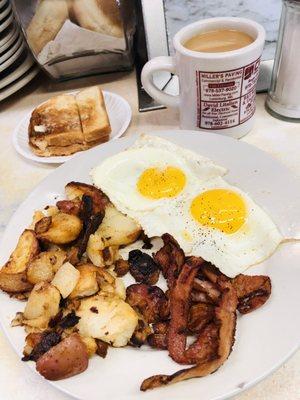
{"points": [[93, 116], [67, 123]]}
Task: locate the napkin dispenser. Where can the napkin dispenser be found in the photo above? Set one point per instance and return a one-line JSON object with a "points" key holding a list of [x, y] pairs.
{"points": [[74, 38]]}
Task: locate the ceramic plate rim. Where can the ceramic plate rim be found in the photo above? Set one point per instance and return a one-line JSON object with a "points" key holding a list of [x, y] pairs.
{"points": [[10, 51], [126, 140], [8, 37], [7, 22], [21, 81], [61, 159], [18, 72], [13, 58], [10, 41]]}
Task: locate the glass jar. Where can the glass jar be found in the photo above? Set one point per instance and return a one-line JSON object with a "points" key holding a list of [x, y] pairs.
{"points": [[283, 100]]}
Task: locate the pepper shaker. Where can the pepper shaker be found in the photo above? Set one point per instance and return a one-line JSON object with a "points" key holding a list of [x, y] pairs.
{"points": [[283, 99]]}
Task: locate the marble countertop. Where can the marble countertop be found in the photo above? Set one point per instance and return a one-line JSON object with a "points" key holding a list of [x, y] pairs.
{"points": [[19, 176]]}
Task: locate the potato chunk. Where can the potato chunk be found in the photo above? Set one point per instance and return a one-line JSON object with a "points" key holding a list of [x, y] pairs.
{"points": [[13, 274], [107, 317], [60, 228], [117, 229], [44, 266], [67, 358], [87, 284], [65, 279], [42, 305], [75, 190]]}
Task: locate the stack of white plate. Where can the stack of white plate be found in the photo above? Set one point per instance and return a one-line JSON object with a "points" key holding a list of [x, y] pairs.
{"points": [[17, 66]]}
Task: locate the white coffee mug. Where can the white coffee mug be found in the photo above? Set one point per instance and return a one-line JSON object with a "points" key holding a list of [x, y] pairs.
{"points": [[217, 90]]}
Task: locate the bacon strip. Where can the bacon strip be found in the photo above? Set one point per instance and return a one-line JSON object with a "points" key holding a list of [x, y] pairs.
{"points": [[200, 315], [179, 309], [225, 315], [252, 291], [209, 288], [150, 301], [170, 258]]}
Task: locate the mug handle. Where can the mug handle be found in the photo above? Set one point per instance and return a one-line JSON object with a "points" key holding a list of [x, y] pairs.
{"points": [[162, 63]]}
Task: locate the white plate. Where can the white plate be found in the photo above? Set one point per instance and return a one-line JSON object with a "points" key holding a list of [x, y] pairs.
{"points": [[12, 59], [5, 24], [19, 71], [22, 81], [10, 51], [119, 113], [264, 338], [5, 12], [10, 38], [2, 3], [6, 36]]}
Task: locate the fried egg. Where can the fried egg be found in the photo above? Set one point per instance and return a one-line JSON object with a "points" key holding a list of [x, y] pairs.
{"points": [[166, 188], [152, 172]]}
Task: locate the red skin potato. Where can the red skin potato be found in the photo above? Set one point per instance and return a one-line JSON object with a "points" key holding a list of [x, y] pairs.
{"points": [[67, 358]]}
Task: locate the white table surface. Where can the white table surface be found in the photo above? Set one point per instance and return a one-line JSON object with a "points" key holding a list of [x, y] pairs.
{"points": [[19, 176]]}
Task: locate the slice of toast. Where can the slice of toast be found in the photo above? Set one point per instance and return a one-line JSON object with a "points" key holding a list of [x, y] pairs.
{"points": [[93, 115], [56, 123], [53, 151]]}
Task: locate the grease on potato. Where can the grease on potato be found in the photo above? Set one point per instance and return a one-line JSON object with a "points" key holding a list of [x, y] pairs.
{"points": [[42, 305], [87, 284], [13, 274], [118, 229], [65, 279], [62, 229], [107, 317], [45, 265]]}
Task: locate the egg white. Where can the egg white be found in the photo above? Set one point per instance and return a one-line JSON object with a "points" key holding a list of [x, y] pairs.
{"points": [[232, 253], [118, 175]]}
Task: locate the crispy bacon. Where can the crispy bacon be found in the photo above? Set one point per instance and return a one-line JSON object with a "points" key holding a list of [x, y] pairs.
{"points": [[170, 258], [179, 306], [200, 315], [78, 189], [179, 310], [211, 272], [207, 287], [225, 315], [69, 206], [252, 291], [158, 339], [148, 300]]}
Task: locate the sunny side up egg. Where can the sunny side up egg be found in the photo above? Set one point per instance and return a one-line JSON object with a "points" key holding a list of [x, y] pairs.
{"points": [[152, 172], [166, 188]]}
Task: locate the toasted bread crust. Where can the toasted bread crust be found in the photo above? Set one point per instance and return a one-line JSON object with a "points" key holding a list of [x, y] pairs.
{"points": [[67, 124], [93, 115]]}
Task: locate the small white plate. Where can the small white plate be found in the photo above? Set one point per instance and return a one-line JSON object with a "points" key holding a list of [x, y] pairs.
{"points": [[22, 81], [5, 13], [119, 113], [11, 50], [9, 39], [5, 24], [19, 71]]}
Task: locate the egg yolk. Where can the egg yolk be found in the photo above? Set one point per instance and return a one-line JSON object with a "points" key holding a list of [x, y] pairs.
{"points": [[155, 183], [220, 209]]}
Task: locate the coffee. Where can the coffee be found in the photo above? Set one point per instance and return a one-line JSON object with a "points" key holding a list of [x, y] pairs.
{"points": [[218, 41]]}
